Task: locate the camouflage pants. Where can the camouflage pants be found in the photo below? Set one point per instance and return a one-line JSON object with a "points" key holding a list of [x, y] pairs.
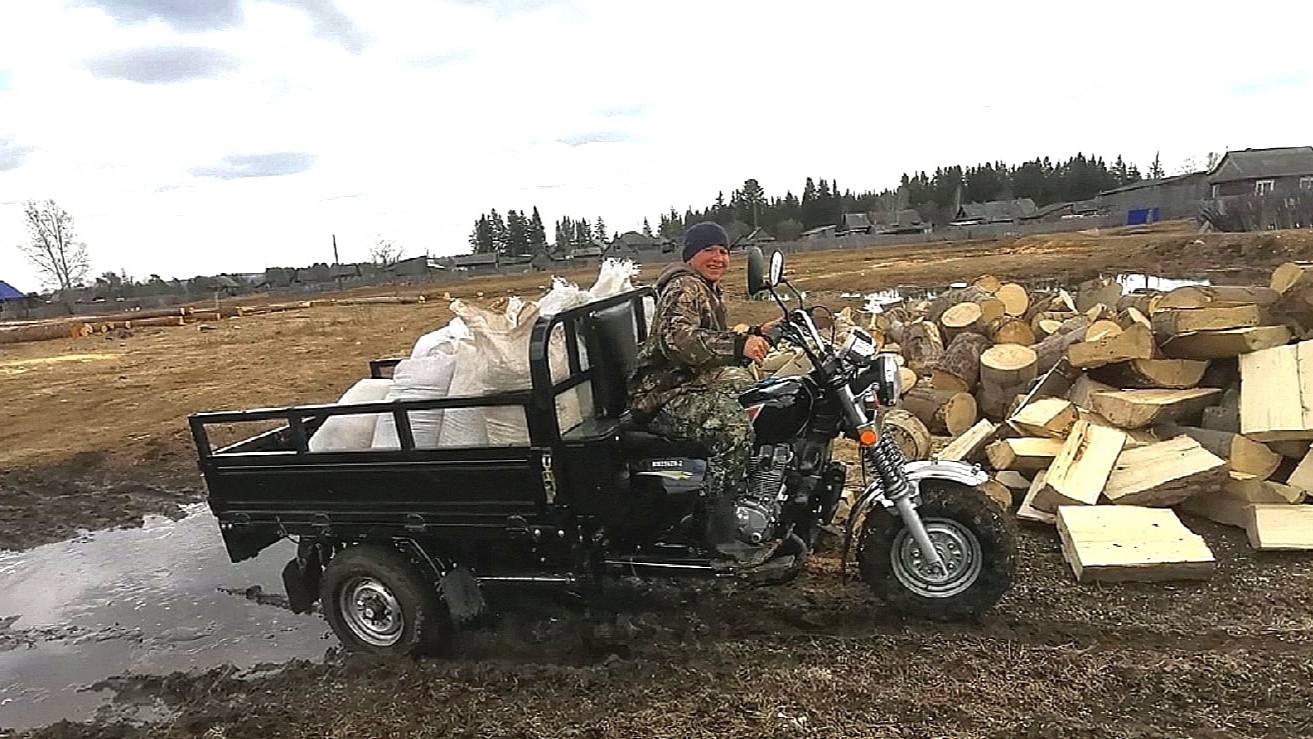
{"points": [[712, 417]]}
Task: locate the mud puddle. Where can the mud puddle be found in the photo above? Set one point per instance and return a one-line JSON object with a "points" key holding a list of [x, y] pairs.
{"points": [[157, 599]]}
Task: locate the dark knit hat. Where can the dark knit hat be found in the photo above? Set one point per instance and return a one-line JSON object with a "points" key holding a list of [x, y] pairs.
{"points": [[703, 235]]}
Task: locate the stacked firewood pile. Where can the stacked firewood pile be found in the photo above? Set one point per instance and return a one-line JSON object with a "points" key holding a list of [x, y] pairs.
{"points": [[1100, 412]]}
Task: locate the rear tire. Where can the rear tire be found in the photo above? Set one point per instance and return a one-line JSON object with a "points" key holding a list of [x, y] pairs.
{"points": [[379, 602], [970, 531]]}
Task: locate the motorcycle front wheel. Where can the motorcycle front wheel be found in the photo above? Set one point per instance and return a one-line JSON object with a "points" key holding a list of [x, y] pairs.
{"points": [[974, 538]]}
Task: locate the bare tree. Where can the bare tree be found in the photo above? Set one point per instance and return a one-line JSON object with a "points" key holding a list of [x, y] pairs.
{"points": [[386, 253], [53, 246]]}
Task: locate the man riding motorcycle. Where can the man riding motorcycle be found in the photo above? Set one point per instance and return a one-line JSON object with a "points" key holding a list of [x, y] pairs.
{"points": [[689, 374]]}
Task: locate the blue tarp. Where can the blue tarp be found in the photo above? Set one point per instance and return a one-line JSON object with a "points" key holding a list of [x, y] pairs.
{"points": [[7, 292], [1143, 216]]}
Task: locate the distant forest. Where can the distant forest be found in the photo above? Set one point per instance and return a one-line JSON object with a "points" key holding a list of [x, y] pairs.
{"points": [[823, 203]]}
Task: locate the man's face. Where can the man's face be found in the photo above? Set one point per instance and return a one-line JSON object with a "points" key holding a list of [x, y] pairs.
{"points": [[711, 263]]}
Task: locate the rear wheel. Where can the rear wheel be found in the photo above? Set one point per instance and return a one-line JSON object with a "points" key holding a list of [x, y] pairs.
{"points": [[379, 602], [974, 539]]}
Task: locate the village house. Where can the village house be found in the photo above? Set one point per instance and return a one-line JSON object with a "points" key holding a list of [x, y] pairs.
{"points": [[1280, 171], [995, 211]]}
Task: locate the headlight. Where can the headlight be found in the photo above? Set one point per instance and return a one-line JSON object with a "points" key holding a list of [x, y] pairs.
{"points": [[859, 348]]}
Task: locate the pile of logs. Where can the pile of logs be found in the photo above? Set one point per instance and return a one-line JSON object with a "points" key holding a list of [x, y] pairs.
{"points": [[1194, 399]]}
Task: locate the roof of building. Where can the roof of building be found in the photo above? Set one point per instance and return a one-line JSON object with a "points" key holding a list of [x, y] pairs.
{"points": [[757, 235], [586, 252], [9, 292], [639, 240], [855, 220], [999, 210], [1252, 164], [475, 260], [817, 230], [900, 217], [1141, 184]]}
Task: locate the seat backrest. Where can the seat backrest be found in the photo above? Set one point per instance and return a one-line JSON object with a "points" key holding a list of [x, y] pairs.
{"points": [[612, 350]]}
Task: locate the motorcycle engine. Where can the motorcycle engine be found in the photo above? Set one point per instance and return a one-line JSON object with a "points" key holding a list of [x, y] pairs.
{"points": [[759, 508]]}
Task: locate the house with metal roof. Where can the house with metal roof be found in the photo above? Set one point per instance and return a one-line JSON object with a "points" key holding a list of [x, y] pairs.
{"points": [[9, 292], [1160, 199], [995, 211], [855, 223], [1279, 171], [899, 221]]}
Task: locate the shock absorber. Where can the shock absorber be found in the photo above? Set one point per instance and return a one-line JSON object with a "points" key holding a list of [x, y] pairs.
{"points": [[886, 462]]}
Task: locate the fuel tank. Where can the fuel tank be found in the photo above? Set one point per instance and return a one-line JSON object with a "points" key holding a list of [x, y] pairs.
{"points": [[779, 407]]}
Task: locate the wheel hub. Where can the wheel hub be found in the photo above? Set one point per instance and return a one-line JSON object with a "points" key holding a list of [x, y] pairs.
{"points": [[958, 549], [372, 612]]}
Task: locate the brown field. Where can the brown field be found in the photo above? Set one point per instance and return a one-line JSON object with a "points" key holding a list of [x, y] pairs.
{"points": [[95, 436]]}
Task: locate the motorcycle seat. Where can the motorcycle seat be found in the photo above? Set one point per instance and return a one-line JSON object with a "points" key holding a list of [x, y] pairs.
{"points": [[643, 444]]}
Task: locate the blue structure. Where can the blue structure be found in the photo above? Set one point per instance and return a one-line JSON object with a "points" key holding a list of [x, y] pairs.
{"points": [[8, 292], [1143, 216]]}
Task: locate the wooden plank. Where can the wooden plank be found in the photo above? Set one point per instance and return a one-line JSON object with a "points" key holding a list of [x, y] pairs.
{"points": [[970, 444], [1165, 473], [1177, 374], [1027, 510], [1081, 469], [1023, 454], [1280, 527], [1046, 417], [1254, 490], [1219, 507], [1276, 393], [1133, 409], [1302, 477], [1129, 543], [1221, 344], [1176, 322], [1244, 454], [1083, 390], [1135, 342]]}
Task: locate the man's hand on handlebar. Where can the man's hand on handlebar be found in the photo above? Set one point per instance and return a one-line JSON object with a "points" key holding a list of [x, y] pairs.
{"points": [[756, 348]]}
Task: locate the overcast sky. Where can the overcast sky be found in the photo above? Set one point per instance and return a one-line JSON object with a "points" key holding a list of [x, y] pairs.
{"points": [[201, 136]]}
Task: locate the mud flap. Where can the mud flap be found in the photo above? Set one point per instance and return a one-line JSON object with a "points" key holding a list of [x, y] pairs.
{"points": [[302, 584], [462, 594]]}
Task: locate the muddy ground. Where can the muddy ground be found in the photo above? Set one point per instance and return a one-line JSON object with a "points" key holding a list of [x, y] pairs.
{"points": [[95, 437]]}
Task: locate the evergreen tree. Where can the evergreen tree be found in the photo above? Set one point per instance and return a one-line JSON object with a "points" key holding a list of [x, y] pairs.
{"points": [[498, 227], [517, 234], [537, 234], [647, 228], [1156, 168]]}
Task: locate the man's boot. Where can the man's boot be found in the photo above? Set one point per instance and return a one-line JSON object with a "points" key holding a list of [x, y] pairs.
{"points": [[722, 537]]}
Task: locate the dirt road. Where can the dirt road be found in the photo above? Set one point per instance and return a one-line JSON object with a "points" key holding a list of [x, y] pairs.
{"points": [[95, 436]]}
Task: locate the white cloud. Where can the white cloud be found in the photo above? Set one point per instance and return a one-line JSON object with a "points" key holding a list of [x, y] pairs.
{"points": [[417, 115]]}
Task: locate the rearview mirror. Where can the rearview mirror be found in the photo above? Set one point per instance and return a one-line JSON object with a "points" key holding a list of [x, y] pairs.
{"points": [[776, 268], [756, 271]]}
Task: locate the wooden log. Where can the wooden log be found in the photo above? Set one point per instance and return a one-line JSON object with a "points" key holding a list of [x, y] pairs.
{"points": [[1046, 417], [959, 318], [1014, 481], [1023, 454], [1100, 312], [1219, 507], [1135, 342], [909, 433], [997, 492], [1276, 393], [1133, 409], [1060, 316], [1228, 343], [922, 346], [1173, 374], [943, 412], [382, 300], [1253, 490], [1290, 275], [907, 379], [1093, 292], [1165, 473], [1244, 454], [205, 315], [45, 331], [1131, 544], [1014, 297], [1009, 330], [988, 283], [161, 321], [1047, 328], [1027, 510], [960, 362], [993, 401], [1199, 296], [969, 445], [1184, 321], [1081, 468], [1131, 316], [1008, 365], [1054, 348], [950, 298], [135, 315], [1280, 527], [1103, 328], [1084, 389]]}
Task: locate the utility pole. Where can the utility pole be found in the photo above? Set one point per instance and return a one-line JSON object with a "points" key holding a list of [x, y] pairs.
{"points": [[335, 259]]}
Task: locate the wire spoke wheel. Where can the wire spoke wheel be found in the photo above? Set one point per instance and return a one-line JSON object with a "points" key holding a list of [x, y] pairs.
{"points": [[372, 611], [959, 550]]}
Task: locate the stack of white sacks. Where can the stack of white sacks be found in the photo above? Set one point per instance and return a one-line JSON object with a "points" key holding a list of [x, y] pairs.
{"points": [[479, 352]]}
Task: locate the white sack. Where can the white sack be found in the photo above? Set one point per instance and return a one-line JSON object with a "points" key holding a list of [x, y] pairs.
{"points": [[443, 339], [615, 276], [465, 426], [423, 378], [349, 433]]}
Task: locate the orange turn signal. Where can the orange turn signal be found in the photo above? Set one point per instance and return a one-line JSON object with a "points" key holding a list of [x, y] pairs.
{"points": [[867, 437]]}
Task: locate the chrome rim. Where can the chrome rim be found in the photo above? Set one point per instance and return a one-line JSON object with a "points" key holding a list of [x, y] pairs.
{"points": [[957, 546], [371, 611]]}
